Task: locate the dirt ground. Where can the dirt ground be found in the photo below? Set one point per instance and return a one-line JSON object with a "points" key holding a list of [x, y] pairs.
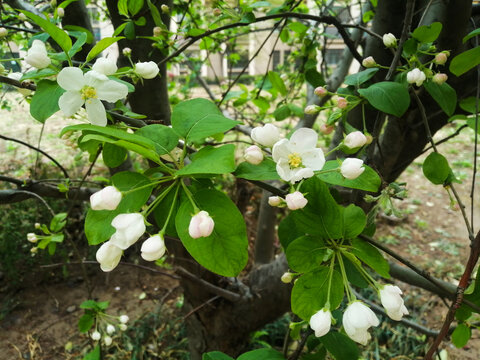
{"points": [[431, 234]]}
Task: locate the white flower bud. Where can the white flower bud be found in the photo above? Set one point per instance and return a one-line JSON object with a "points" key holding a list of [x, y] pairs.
{"points": [[3, 32], [357, 319], [37, 55], [129, 229], [153, 248], [96, 336], [37, 225], [352, 168], [389, 40], [296, 200], [393, 302], [369, 62], [287, 277], [106, 199], [253, 155], [355, 140], [157, 31], [439, 78], [110, 329], [416, 76], [123, 319], [321, 322], [22, 16], [266, 135], [108, 255], [165, 9], [146, 70], [32, 237], [342, 103], [60, 12], [274, 200], [311, 109], [105, 66], [320, 91], [34, 250], [122, 327], [127, 51], [441, 58], [107, 340], [201, 225]]}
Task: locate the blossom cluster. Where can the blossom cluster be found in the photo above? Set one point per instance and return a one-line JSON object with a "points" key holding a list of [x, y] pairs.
{"points": [[109, 329]]}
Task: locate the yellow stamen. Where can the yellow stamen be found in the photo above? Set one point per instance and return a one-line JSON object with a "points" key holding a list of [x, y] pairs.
{"points": [[88, 92], [294, 160]]}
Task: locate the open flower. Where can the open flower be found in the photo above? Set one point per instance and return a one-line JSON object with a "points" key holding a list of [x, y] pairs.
{"points": [[201, 225], [37, 55], [320, 322], [129, 229], [298, 157], [393, 302], [108, 255], [89, 89], [106, 199], [416, 76], [357, 319], [352, 168], [153, 248]]}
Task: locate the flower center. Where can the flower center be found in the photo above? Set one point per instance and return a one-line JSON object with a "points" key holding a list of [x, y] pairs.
{"points": [[88, 92], [294, 160]]}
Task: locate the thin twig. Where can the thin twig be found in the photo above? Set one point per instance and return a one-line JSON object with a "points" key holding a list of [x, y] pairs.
{"points": [[194, 310], [39, 198]]}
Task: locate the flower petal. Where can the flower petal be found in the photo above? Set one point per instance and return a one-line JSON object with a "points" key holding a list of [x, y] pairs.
{"points": [[71, 79], [314, 159], [70, 102], [283, 169], [111, 91], [94, 78], [96, 112], [281, 150], [304, 139]]}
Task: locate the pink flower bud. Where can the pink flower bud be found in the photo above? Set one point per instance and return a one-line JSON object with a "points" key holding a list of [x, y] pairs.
{"points": [[439, 78], [342, 103], [320, 91], [201, 225], [253, 155], [217, 12], [441, 58], [296, 200], [326, 129]]}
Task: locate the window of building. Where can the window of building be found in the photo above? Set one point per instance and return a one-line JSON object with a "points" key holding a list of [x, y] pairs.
{"points": [[333, 56]]}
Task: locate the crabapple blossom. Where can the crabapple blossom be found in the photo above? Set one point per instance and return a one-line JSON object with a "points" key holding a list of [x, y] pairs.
{"points": [[253, 155], [107, 340], [357, 319], [296, 200], [342, 103], [127, 51], [352, 168], [320, 91], [355, 140], [106, 199], [393, 302], [32, 237], [326, 129], [266, 135], [146, 70], [298, 157], [287, 277], [108, 255], [321, 322], [60, 12], [389, 40], [123, 319], [369, 62], [105, 66], [441, 58], [274, 200], [311, 109], [129, 229], [89, 89], [153, 248], [416, 76], [96, 336], [37, 55], [110, 329], [3, 32], [439, 78], [201, 225]]}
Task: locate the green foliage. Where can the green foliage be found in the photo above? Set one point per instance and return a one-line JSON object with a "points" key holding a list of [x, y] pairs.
{"points": [[436, 168], [266, 170], [361, 77], [465, 61], [444, 95], [102, 45], [340, 346], [389, 97], [45, 100], [368, 180], [427, 33], [371, 256], [461, 335], [306, 253], [211, 160]]}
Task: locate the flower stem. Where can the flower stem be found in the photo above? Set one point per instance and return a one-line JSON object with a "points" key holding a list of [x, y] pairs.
{"points": [[330, 277], [159, 198], [190, 197], [165, 179], [162, 232], [346, 284], [360, 268]]}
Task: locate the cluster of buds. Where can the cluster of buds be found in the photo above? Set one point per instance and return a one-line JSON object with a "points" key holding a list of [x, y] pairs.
{"points": [[109, 329]]}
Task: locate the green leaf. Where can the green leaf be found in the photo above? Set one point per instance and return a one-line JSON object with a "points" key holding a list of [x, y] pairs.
{"points": [[123, 7], [60, 36], [444, 95], [45, 100], [282, 112], [155, 13], [196, 119], [98, 226], [387, 96], [314, 78], [263, 354], [436, 168], [367, 181], [94, 354], [266, 170], [461, 335], [469, 104], [354, 221], [102, 45], [465, 61], [277, 82], [306, 253], [113, 155], [309, 293], [129, 30], [224, 252], [216, 355], [360, 77], [134, 6], [321, 217], [80, 29], [371, 256], [472, 34], [164, 137], [427, 33], [298, 27], [211, 160], [58, 222], [288, 231], [85, 323], [35, 74], [262, 104], [340, 346]]}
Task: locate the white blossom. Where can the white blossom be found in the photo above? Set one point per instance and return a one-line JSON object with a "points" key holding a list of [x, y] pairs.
{"points": [[389, 40], [287, 277], [441, 58], [342, 103], [296, 200], [123, 319], [37, 55], [3, 32], [129, 229], [89, 89], [110, 329], [96, 336], [153, 248], [355, 139], [357, 319], [321, 322], [60, 12], [201, 225], [105, 66], [274, 200], [127, 51], [416, 76], [108, 255], [266, 135], [122, 327], [253, 155], [369, 62], [439, 78], [320, 91], [352, 168], [106, 199], [146, 70], [298, 157], [393, 302], [107, 340], [32, 237]]}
